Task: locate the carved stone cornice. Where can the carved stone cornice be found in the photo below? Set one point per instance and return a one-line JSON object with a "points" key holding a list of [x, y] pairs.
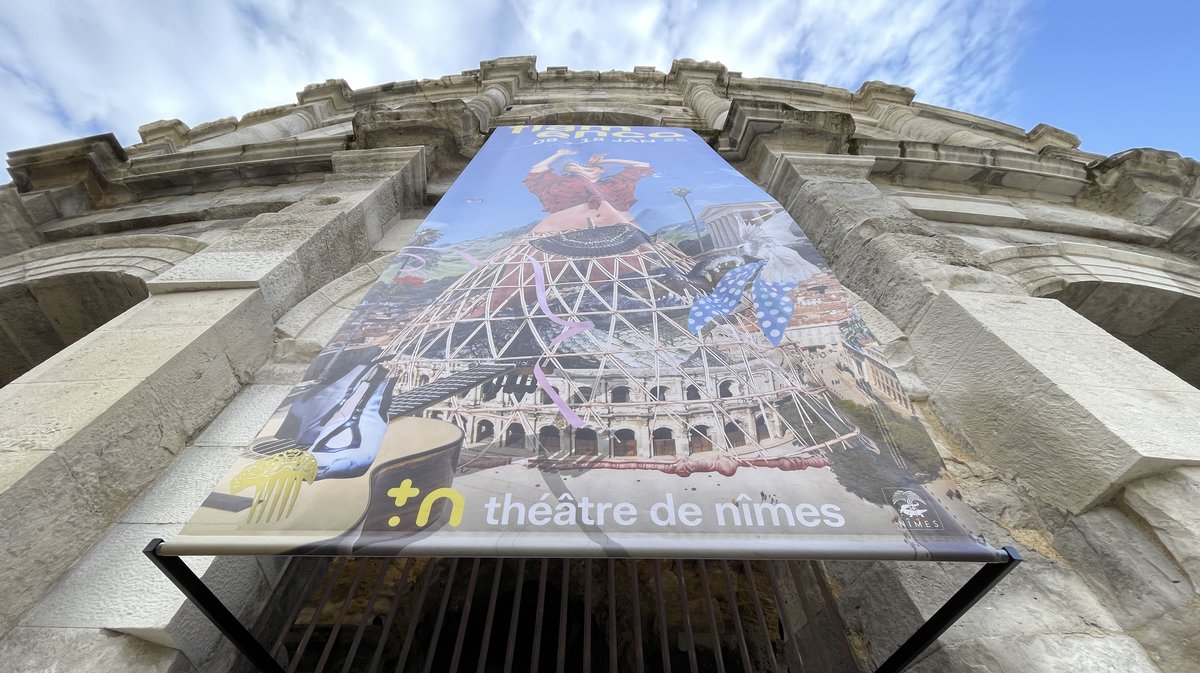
{"points": [[447, 129], [936, 166], [812, 131], [95, 161]]}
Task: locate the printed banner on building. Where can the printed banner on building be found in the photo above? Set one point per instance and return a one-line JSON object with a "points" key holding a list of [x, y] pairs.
{"points": [[603, 341]]}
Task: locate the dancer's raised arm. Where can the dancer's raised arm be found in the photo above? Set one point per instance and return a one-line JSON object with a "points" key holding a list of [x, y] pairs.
{"points": [[545, 164]]}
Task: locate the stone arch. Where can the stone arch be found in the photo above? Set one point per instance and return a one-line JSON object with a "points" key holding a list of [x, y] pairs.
{"points": [[550, 438], [699, 438], [761, 429], [514, 436], [624, 442], [585, 442], [735, 434], [1150, 303], [663, 441], [52, 296], [485, 431]]}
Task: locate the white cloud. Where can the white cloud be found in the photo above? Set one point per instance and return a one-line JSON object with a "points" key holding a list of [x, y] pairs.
{"points": [[69, 69]]}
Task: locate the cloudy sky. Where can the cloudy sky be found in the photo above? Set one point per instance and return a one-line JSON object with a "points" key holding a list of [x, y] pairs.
{"points": [[1118, 74]]}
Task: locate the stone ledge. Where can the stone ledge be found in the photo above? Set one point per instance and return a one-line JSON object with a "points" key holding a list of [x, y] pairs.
{"points": [[292, 253], [1017, 376], [31, 649], [115, 587]]}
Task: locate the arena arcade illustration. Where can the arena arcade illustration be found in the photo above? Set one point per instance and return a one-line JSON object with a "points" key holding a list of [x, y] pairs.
{"points": [[602, 341]]}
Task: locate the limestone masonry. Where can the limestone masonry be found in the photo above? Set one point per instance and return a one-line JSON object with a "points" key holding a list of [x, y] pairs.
{"points": [[1041, 306]]}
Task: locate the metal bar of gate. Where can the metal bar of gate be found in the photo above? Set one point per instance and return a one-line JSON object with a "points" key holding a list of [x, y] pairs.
{"points": [[773, 602]]}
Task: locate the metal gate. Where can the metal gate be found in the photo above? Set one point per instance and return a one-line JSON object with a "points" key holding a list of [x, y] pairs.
{"points": [[557, 615]]}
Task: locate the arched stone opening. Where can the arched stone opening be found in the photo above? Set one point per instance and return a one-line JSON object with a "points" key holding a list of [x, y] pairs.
{"points": [[624, 443], [484, 431], [663, 441], [1161, 324], [41, 316], [1149, 302], [761, 429], [619, 395], [514, 436], [699, 439], [693, 393], [585, 442], [735, 435], [659, 393], [550, 438]]}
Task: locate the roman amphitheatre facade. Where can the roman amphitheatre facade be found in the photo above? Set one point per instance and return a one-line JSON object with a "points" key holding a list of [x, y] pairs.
{"points": [[1039, 305]]}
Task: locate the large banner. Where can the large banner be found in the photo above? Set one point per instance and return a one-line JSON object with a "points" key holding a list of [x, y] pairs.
{"points": [[603, 341]]}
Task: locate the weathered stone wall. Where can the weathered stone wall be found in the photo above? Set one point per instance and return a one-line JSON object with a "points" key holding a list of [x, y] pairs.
{"points": [[1072, 438]]}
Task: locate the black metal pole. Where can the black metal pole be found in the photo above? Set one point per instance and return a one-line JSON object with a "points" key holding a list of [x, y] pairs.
{"points": [[964, 599], [212, 607]]}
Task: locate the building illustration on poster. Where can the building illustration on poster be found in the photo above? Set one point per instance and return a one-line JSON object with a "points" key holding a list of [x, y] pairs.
{"points": [[605, 341]]}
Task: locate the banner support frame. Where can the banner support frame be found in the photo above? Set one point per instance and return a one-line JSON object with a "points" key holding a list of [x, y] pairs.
{"points": [[194, 589], [211, 606], [983, 581]]}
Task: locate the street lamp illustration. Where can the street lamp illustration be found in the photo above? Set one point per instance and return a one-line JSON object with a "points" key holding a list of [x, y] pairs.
{"points": [[682, 192]]}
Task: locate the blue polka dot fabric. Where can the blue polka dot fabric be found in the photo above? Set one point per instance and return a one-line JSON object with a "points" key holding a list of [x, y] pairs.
{"points": [[773, 307], [724, 298]]}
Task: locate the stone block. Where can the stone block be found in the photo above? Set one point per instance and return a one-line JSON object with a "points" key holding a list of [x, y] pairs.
{"points": [[241, 421], [115, 587], [1169, 504], [182, 487], [397, 234], [1052, 653], [987, 212], [290, 254], [1039, 597], [17, 231], [86, 448], [47, 524], [1015, 376], [31, 649], [1128, 571]]}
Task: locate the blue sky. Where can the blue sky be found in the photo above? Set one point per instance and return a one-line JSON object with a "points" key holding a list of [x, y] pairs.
{"points": [[1117, 74]]}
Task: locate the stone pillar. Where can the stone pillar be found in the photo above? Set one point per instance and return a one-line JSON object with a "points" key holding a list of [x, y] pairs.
{"points": [[300, 120], [86, 431], [489, 104], [1018, 377], [895, 260], [499, 82], [1066, 607], [708, 104], [17, 232], [700, 83]]}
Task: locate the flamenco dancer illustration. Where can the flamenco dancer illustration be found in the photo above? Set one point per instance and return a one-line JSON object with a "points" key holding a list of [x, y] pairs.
{"points": [[622, 341]]}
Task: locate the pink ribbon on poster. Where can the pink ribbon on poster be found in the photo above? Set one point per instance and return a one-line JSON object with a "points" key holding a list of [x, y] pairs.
{"points": [[570, 329]]}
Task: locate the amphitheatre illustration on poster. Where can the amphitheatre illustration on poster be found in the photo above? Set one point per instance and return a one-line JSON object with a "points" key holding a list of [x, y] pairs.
{"points": [[603, 341]]}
